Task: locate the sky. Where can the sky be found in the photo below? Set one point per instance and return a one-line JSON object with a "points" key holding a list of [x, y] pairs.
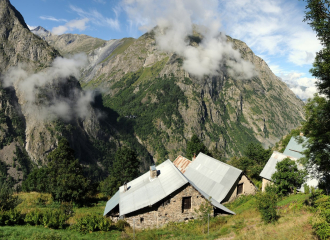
{"points": [[273, 29]]}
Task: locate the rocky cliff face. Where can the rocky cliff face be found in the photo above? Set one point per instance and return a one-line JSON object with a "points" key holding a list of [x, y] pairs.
{"points": [[41, 100], [162, 105]]}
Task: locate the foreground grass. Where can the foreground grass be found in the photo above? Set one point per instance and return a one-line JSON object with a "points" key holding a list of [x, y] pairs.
{"points": [[293, 223]]}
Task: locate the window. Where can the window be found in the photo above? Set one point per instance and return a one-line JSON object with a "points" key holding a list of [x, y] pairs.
{"points": [[186, 203], [141, 220], [239, 188]]}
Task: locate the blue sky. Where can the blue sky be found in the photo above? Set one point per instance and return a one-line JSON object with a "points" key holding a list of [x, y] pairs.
{"points": [[273, 29]]}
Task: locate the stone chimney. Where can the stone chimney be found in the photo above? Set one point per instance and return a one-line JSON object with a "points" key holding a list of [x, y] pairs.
{"points": [[153, 172], [194, 157], [125, 186]]}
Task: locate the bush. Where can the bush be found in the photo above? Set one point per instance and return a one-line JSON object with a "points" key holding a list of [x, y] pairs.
{"points": [[266, 204], [92, 223], [54, 219], [11, 217], [121, 224], [33, 217]]}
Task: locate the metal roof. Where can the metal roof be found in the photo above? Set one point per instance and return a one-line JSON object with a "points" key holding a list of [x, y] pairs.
{"points": [[144, 191], [213, 177], [112, 203], [294, 149], [270, 167], [181, 163]]}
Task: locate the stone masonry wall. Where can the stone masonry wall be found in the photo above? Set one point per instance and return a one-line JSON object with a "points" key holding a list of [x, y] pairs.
{"points": [[164, 212], [248, 188]]}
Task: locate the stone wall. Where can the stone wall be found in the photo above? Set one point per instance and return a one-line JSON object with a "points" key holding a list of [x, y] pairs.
{"points": [[248, 188], [168, 210]]}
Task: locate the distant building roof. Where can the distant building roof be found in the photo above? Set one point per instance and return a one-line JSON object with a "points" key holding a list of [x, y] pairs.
{"points": [[294, 149], [270, 167], [143, 191], [181, 163], [212, 176]]}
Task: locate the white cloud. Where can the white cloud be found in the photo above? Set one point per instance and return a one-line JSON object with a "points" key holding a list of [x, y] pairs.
{"points": [[70, 26], [272, 28], [303, 87], [31, 27], [97, 18], [50, 18], [39, 91], [176, 21]]}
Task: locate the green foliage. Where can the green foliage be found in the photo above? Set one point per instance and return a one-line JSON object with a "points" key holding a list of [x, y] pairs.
{"points": [[317, 130], [37, 181], [65, 179], [306, 189], [121, 225], [287, 176], [204, 210], [317, 16], [124, 169], [266, 204], [7, 199], [92, 223], [11, 217], [195, 146], [22, 157], [321, 220], [253, 160]]}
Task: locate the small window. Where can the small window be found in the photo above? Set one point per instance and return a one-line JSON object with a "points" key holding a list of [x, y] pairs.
{"points": [[239, 188], [141, 220], [186, 203]]}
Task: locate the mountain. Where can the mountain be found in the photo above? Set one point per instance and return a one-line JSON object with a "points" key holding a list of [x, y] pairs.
{"points": [[41, 101], [69, 44], [162, 105]]}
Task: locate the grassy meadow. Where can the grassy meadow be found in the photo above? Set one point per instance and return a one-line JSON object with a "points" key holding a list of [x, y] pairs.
{"points": [[293, 222]]}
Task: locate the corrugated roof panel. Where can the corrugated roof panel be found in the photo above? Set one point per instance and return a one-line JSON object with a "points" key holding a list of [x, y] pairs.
{"points": [[112, 203], [144, 191], [181, 163], [213, 177]]}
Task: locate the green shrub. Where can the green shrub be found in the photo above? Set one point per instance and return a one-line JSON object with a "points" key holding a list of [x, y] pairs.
{"points": [[306, 188], [11, 217], [33, 217], [266, 204], [92, 223], [121, 224], [54, 218]]}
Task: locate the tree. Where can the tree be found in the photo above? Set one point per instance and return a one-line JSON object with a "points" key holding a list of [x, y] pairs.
{"points": [[317, 130], [287, 176], [66, 180], [253, 160], [317, 16], [7, 199], [124, 169], [195, 146]]}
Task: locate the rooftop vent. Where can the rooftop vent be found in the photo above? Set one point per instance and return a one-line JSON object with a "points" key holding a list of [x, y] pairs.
{"points": [[153, 172]]}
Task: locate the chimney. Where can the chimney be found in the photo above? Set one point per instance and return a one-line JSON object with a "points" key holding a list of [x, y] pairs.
{"points": [[194, 157], [153, 172], [125, 186]]}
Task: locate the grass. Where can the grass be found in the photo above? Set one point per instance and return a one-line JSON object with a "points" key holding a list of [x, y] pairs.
{"points": [[293, 223], [126, 42]]}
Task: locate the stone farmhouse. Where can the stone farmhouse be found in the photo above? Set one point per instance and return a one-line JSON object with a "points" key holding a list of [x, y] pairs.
{"points": [[217, 179], [165, 194], [294, 152]]}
